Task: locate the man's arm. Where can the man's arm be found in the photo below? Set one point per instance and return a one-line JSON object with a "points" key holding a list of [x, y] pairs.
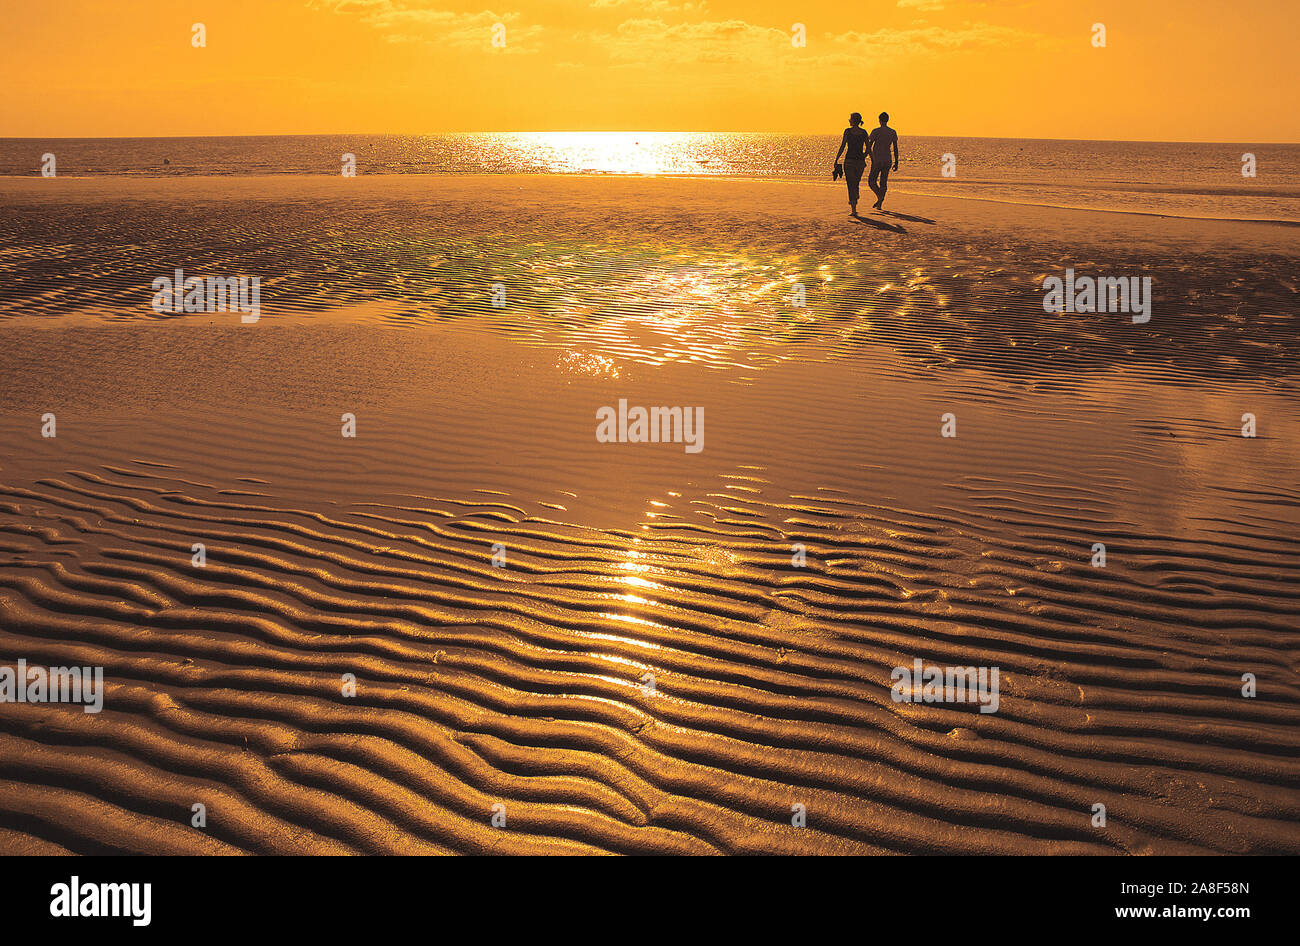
{"points": [[895, 151]]}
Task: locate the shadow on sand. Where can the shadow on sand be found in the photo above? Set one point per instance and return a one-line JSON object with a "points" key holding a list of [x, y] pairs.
{"points": [[879, 224], [892, 213]]}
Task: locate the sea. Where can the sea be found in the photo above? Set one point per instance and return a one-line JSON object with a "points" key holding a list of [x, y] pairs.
{"points": [[1229, 180]]}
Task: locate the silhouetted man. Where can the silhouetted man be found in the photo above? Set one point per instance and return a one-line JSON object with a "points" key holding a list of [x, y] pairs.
{"points": [[883, 139], [855, 162]]}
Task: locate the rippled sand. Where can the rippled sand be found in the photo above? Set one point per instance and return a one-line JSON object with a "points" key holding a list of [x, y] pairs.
{"points": [[525, 686]]}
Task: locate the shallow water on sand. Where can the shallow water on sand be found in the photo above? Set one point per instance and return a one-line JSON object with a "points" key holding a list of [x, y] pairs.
{"points": [[649, 671]]}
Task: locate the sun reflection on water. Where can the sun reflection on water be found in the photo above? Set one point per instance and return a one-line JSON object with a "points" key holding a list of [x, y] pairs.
{"points": [[614, 152]]}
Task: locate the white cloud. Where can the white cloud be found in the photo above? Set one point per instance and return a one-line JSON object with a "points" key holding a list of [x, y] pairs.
{"points": [[416, 21], [929, 38], [652, 6], [711, 42]]}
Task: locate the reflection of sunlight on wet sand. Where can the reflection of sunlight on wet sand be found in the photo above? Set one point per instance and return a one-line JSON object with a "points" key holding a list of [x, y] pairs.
{"points": [[638, 582], [742, 310], [738, 310], [671, 310], [588, 364], [631, 572]]}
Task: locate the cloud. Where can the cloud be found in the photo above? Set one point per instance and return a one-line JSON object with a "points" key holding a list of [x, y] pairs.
{"points": [[931, 6], [927, 39], [651, 41], [652, 6], [723, 41], [416, 21]]}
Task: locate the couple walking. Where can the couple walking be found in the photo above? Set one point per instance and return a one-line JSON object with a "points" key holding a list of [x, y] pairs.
{"points": [[859, 142]]}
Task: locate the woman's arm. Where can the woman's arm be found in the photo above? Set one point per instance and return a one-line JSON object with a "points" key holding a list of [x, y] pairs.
{"points": [[844, 143]]}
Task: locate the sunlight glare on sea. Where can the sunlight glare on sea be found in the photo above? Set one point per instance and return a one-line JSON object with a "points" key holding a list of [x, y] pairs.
{"points": [[621, 152]]}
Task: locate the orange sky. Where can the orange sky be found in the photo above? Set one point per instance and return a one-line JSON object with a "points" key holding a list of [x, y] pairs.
{"points": [[1201, 70]]}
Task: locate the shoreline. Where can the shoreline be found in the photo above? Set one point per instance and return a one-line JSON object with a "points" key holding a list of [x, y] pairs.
{"points": [[682, 199], [899, 186]]}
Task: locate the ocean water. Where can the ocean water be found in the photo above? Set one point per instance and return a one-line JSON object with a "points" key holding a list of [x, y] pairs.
{"points": [[1192, 180]]}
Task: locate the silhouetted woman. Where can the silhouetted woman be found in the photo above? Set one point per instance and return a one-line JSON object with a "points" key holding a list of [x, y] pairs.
{"points": [[855, 161]]}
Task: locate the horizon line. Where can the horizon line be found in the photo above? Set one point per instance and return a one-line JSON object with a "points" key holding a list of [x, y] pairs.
{"points": [[639, 131]]}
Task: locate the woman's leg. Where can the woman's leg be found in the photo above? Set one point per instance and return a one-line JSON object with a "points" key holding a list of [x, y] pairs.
{"points": [[853, 178]]}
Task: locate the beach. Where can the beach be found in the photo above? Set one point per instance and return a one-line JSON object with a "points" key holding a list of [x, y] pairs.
{"points": [[557, 644]]}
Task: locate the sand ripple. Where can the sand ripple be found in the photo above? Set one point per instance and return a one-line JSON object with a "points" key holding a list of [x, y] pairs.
{"points": [[527, 686]]}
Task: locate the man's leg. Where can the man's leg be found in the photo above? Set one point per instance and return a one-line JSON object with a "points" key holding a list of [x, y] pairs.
{"points": [[879, 181]]}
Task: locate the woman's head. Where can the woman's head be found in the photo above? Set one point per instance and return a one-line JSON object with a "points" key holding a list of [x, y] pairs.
{"points": [[855, 118]]}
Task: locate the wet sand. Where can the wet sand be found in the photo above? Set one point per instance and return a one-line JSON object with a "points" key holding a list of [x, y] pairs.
{"points": [[526, 686]]}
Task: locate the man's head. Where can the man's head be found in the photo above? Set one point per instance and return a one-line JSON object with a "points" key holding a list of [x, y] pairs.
{"points": [[855, 119], [884, 118]]}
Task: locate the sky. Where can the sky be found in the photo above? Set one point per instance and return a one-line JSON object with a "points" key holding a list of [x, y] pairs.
{"points": [[1170, 70]]}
